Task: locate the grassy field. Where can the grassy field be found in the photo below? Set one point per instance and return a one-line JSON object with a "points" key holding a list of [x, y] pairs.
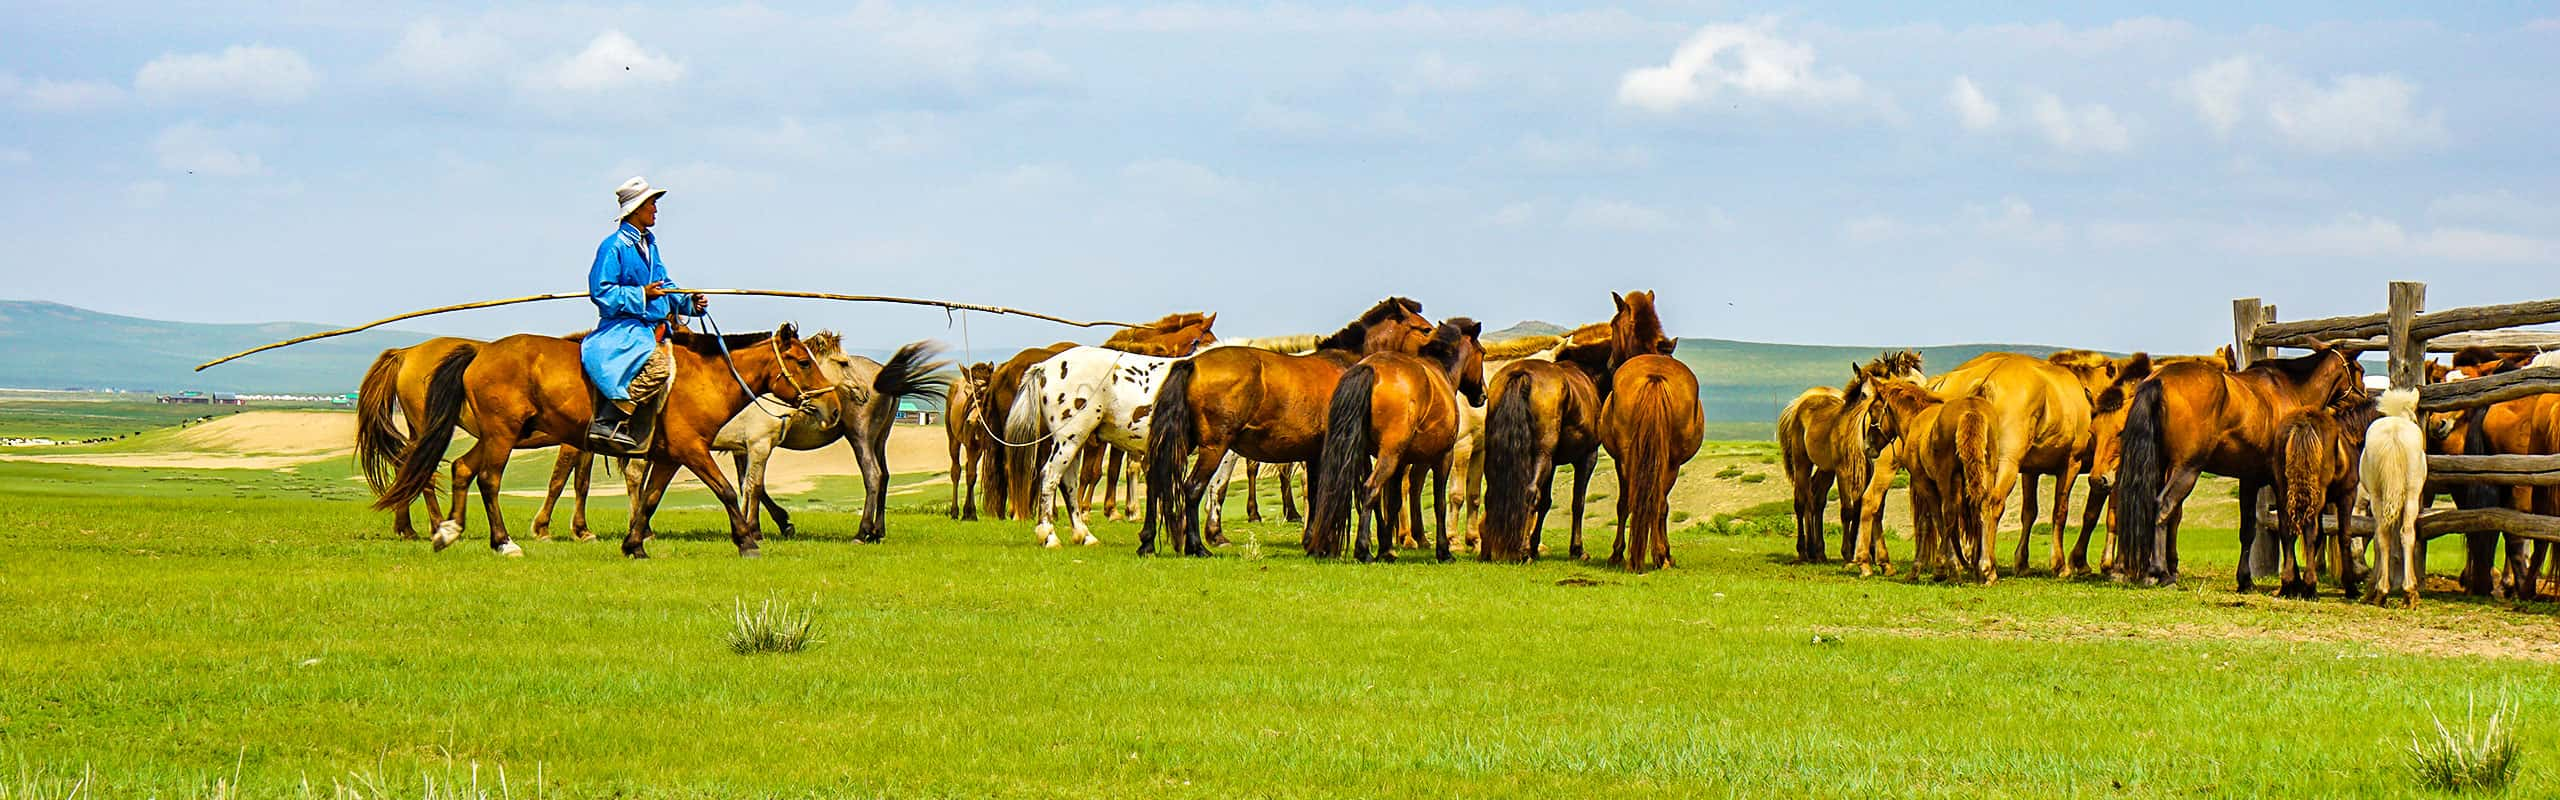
{"points": [[197, 632]]}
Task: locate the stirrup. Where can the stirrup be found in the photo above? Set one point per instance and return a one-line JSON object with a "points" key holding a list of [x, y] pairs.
{"points": [[610, 438]]}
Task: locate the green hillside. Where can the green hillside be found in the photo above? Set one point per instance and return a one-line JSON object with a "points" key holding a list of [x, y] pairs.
{"points": [[54, 346], [1752, 381]]}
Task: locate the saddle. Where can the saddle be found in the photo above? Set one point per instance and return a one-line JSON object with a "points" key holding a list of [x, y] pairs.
{"points": [[644, 418]]}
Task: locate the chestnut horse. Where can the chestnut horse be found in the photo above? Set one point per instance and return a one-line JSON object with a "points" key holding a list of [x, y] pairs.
{"points": [[2525, 426], [1264, 405], [1651, 424], [1402, 409], [1950, 445], [397, 384], [1539, 414], [966, 444], [527, 386], [2317, 450], [2188, 419], [1822, 442]]}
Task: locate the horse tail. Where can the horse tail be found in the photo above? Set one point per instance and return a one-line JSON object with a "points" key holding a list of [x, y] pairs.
{"points": [[446, 395], [2302, 488], [2475, 442], [1344, 463], [378, 441], [911, 373], [1022, 424], [2141, 471], [1170, 434], [1647, 468], [1973, 452], [1510, 458]]}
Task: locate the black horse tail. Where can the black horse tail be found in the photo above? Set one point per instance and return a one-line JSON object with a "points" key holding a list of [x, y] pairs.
{"points": [[2475, 442], [1344, 464], [911, 373], [425, 453], [1510, 466], [378, 441], [1171, 434], [2140, 475]]}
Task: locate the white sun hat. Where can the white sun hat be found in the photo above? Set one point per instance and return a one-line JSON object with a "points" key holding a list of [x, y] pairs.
{"points": [[633, 193]]}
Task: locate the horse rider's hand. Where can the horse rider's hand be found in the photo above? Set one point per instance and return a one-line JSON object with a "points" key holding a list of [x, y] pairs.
{"points": [[701, 304], [654, 291]]}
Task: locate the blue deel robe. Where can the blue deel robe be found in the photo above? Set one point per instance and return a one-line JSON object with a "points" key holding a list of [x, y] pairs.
{"points": [[626, 329]]}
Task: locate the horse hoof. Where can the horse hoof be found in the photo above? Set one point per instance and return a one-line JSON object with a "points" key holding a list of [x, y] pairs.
{"points": [[584, 536], [510, 550], [786, 531], [1050, 542], [1088, 541], [636, 555], [750, 553]]}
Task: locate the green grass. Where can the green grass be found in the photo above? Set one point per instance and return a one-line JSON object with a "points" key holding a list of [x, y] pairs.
{"points": [[172, 630], [52, 417]]}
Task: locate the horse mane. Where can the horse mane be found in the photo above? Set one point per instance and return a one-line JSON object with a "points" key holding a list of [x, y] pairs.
{"points": [[2402, 403], [2473, 356], [1443, 347], [1521, 347], [707, 345], [1636, 327], [1898, 362], [1353, 336], [2298, 368]]}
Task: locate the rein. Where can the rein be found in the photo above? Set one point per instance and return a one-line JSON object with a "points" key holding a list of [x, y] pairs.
{"points": [[755, 398]]}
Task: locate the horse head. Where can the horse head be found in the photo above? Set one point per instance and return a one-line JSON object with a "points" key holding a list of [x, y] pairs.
{"points": [[1455, 348], [1636, 330], [1394, 325], [1889, 417], [1174, 336], [796, 377]]}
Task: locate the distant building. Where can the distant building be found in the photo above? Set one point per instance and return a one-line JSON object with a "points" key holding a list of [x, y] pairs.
{"points": [[913, 413]]}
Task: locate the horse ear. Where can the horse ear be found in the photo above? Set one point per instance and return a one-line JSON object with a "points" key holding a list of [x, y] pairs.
{"points": [[1473, 329], [1211, 321], [790, 331], [1670, 344], [1621, 300], [2135, 369], [2230, 362]]}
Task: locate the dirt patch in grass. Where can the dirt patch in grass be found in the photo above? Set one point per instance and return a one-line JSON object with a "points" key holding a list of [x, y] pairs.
{"points": [[2450, 629]]}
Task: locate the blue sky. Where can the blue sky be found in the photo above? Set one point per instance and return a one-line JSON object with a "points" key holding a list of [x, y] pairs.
{"points": [[1851, 174]]}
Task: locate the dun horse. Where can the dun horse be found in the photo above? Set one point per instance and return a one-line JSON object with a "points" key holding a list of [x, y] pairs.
{"points": [[1402, 410], [1263, 405], [968, 446], [1822, 442], [2188, 419], [861, 411], [1950, 445], [1540, 413], [1651, 425], [397, 384], [526, 386]]}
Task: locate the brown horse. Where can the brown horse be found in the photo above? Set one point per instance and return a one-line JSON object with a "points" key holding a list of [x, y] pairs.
{"points": [[528, 386], [1822, 441], [1651, 424], [396, 384], [1950, 445], [1401, 409], [2044, 430], [1539, 414], [965, 442], [2188, 419], [1264, 405], [2317, 450], [2525, 426]]}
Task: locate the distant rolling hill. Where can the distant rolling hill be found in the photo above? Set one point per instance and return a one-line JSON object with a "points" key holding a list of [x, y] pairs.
{"points": [[54, 346]]}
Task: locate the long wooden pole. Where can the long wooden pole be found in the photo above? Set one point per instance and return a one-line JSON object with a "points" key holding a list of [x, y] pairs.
{"points": [[853, 298]]}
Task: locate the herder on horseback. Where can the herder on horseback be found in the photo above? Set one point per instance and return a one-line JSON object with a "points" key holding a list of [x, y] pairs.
{"points": [[626, 357]]}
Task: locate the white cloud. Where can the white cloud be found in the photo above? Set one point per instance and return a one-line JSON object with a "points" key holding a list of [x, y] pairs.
{"points": [[612, 60], [2357, 113], [1567, 154], [256, 73], [1976, 110], [146, 195], [1617, 215], [2362, 237], [2500, 207], [216, 152], [1746, 58], [2014, 221], [2369, 114], [2217, 90], [429, 53], [1176, 176], [1435, 73], [49, 95], [2091, 128], [1513, 215]]}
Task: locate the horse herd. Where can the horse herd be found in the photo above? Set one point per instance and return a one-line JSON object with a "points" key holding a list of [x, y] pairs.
{"points": [[2143, 430], [1370, 412]]}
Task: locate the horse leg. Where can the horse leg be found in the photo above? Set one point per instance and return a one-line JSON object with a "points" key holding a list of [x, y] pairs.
{"points": [[1618, 548], [1289, 507], [976, 466], [2062, 514], [2026, 518], [585, 485], [1413, 533], [758, 458], [748, 490], [1205, 466], [1253, 491], [1440, 508], [488, 478], [2248, 529], [1384, 482], [1541, 499], [1224, 477], [1054, 473], [705, 469], [644, 504], [953, 448], [561, 467], [2163, 551], [2088, 524], [1582, 471], [1111, 484], [1811, 544]]}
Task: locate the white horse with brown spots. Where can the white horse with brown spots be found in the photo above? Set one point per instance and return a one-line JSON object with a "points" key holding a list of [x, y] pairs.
{"points": [[1080, 394]]}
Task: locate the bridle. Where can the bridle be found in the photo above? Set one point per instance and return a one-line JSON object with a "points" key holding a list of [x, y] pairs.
{"points": [[806, 397]]}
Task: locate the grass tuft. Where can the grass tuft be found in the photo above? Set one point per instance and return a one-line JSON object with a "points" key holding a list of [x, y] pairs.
{"points": [[2481, 755], [774, 626]]}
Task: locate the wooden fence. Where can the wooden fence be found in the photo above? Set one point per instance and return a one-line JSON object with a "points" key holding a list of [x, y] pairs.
{"points": [[2408, 332]]}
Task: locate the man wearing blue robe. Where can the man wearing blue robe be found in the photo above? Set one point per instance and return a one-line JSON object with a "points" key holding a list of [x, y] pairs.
{"points": [[626, 356]]}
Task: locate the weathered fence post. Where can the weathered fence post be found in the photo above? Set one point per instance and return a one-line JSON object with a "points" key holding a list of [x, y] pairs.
{"points": [[2247, 314], [2408, 350]]}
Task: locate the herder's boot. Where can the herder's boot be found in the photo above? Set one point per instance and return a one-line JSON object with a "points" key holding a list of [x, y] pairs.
{"points": [[610, 433]]}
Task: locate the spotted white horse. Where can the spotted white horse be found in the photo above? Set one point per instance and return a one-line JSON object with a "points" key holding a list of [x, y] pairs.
{"points": [[1080, 394]]}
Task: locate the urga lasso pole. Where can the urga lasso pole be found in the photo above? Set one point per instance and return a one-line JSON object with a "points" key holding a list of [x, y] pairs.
{"points": [[850, 298]]}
